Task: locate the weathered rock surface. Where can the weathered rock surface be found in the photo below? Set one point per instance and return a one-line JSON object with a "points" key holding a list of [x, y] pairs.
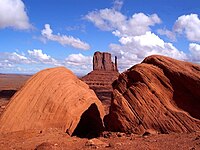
{"points": [[102, 61], [54, 98], [101, 83], [161, 93], [96, 143], [102, 77]]}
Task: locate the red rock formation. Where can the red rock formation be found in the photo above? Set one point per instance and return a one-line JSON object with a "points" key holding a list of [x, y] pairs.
{"points": [[54, 98], [161, 93], [101, 83], [102, 61], [102, 77]]}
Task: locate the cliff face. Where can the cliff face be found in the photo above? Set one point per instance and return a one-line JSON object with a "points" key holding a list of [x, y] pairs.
{"points": [[161, 94], [102, 61], [54, 98]]}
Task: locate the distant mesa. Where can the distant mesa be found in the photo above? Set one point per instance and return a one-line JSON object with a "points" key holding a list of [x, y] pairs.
{"points": [[54, 98], [101, 78], [160, 94], [102, 61]]}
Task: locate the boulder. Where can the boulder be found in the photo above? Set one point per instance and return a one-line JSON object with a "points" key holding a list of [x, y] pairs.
{"points": [[54, 98], [160, 94]]}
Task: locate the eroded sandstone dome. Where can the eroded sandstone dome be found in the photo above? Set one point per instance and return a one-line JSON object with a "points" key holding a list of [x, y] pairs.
{"points": [[54, 98]]}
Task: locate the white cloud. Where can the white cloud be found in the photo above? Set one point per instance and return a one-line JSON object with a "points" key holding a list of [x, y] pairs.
{"points": [[120, 25], [79, 63], [195, 52], [35, 58], [134, 49], [13, 14], [136, 39], [63, 39], [189, 25], [17, 57], [171, 35], [14, 58], [5, 65], [37, 55], [78, 59], [8, 60]]}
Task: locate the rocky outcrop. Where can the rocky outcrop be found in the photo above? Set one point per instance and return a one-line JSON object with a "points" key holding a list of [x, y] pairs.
{"points": [[102, 77], [160, 94], [54, 98], [102, 61], [101, 83]]}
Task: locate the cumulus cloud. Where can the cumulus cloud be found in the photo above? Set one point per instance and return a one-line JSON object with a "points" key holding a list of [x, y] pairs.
{"points": [[79, 63], [195, 52], [35, 60], [11, 58], [171, 35], [119, 24], [14, 60], [188, 25], [47, 33], [78, 59], [132, 50], [136, 38], [13, 14], [37, 55]]}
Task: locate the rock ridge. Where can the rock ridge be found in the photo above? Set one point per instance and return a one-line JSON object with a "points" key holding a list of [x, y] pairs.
{"points": [[161, 94]]}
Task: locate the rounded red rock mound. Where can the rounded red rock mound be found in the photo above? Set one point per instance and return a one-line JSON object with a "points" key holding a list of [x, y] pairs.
{"points": [[54, 98], [161, 94]]}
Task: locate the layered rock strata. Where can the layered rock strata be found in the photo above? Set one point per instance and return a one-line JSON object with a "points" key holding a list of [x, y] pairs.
{"points": [[161, 93], [102, 62], [54, 98], [101, 78]]}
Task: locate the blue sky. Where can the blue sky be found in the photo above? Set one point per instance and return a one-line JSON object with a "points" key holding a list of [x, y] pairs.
{"points": [[35, 35]]}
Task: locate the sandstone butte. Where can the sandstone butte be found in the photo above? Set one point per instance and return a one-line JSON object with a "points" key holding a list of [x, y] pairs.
{"points": [[54, 98], [160, 94], [101, 78]]}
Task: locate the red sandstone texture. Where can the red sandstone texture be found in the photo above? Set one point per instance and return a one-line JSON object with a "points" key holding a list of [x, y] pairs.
{"points": [[161, 94], [102, 61], [54, 98], [101, 78]]}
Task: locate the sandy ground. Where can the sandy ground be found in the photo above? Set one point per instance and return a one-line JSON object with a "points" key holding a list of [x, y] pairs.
{"points": [[12, 81], [53, 139]]}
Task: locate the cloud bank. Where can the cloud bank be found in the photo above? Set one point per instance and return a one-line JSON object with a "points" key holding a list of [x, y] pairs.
{"points": [[136, 38], [15, 61]]}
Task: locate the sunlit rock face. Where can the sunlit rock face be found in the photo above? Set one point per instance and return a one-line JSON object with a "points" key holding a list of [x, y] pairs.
{"points": [[161, 93]]}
